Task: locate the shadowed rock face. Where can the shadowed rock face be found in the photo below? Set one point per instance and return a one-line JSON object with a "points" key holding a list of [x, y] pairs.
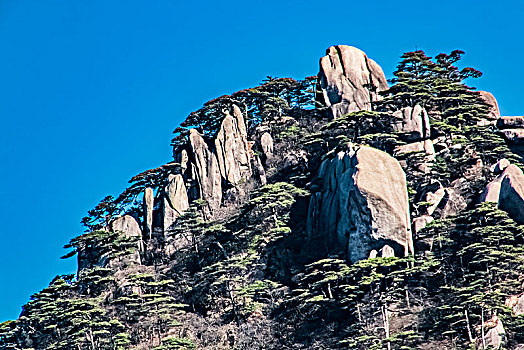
{"points": [[349, 80], [362, 204], [507, 190]]}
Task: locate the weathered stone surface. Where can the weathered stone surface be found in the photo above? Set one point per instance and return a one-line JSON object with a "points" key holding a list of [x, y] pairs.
{"points": [[126, 224], [149, 199], [434, 199], [129, 226], [488, 97], [232, 147], [414, 122], [516, 304], [387, 252], [515, 136], [205, 170], [421, 222], [362, 203], [495, 335], [266, 142], [176, 201], [346, 75], [419, 146], [507, 190], [445, 202], [500, 166]]}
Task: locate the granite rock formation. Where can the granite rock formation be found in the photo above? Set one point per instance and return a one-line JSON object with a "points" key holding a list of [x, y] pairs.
{"points": [[507, 190], [362, 204], [349, 80]]}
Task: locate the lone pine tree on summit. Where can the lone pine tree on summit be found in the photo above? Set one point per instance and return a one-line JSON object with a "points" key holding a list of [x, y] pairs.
{"points": [[330, 212]]}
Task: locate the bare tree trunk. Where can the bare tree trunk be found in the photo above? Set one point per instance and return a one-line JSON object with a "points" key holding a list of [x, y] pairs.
{"points": [[469, 327]]}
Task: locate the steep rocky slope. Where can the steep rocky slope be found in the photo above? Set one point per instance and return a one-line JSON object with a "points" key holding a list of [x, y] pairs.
{"points": [[329, 212]]}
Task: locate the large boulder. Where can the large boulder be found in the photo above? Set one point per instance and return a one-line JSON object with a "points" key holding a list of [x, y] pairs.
{"points": [[127, 225], [176, 201], [349, 80], [413, 121], [362, 204], [488, 97], [507, 190], [232, 148], [205, 170]]}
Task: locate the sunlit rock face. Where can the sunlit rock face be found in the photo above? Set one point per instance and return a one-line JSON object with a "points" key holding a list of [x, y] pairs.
{"points": [[349, 80], [362, 204]]}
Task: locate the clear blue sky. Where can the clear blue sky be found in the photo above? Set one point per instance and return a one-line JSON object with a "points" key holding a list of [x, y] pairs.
{"points": [[90, 91]]}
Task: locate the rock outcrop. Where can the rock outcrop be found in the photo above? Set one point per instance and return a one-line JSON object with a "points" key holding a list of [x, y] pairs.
{"points": [[232, 148], [421, 222], [205, 170], [362, 203], [488, 97], [512, 128], [149, 204], [266, 142], [215, 164], [349, 80], [414, 122], [500, 166], [494, 334], [507, 190], [127, 225], [176, 201]]}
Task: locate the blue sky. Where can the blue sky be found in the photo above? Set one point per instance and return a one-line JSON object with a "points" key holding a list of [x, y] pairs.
{"points": [[90, 90]]}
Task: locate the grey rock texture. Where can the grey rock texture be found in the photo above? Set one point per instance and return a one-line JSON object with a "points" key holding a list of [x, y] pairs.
{"points": [[266, 142], [130, 227], [149, 204], [421, 222], [349, 80], [205, 170], [232, 148], [418, 146], [127, 225], [212, 165], [362, 203], [507, 190], [176, 201], [414, 122], [495, 334], [445, 202]]}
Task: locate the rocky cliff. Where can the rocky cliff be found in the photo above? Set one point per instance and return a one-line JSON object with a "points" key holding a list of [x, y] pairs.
{"points": [[330, 212]]}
